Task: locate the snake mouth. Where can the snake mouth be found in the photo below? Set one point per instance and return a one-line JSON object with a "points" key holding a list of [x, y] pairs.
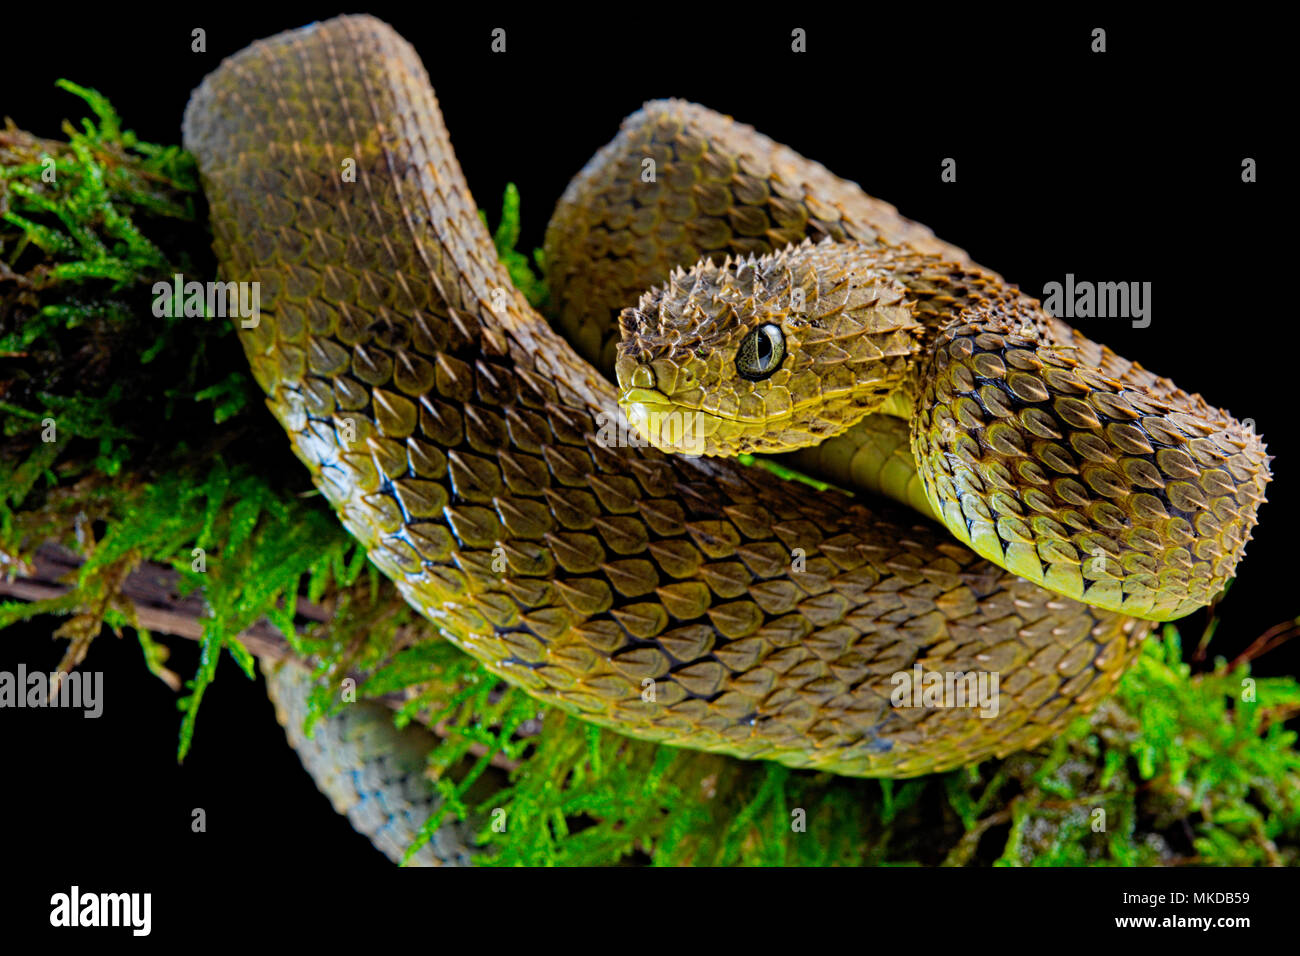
{"points": [[665, 424], [655, 399], [673, 427]]}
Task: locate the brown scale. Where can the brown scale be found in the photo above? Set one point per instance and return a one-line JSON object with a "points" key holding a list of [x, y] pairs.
{"points": [[456, 436], [1132, 497]]}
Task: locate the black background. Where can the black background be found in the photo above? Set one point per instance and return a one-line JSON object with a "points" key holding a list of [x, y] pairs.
{"points": [[1122, 166]]}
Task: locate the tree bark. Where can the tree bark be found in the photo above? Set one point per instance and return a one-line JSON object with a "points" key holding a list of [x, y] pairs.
{"points": [[152, 589]]}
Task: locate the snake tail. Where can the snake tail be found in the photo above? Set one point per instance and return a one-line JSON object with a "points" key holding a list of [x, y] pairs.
{"points": [[372, 773]]}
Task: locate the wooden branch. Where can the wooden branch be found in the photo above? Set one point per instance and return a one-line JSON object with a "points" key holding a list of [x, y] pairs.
{"points": [[152, 590]]}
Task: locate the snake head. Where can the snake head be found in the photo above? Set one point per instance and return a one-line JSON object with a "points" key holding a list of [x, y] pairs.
{"points": [[764, 354]]}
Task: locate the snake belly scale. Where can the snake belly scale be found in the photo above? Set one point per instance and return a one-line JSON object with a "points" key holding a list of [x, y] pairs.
{"points": [[456, 436]]}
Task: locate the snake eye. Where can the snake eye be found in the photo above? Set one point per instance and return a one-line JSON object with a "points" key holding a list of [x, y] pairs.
{"points": [[761, 353]]}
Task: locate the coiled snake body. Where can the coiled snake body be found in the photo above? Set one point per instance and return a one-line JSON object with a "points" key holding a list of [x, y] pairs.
{"points": [[697, 601]]}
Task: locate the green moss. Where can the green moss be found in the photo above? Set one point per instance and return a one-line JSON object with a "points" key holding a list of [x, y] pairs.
{"points": [[150, 463], [526, 275]]}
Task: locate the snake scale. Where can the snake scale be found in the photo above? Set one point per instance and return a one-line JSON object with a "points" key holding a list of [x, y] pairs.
{"points": [[695, 600]]}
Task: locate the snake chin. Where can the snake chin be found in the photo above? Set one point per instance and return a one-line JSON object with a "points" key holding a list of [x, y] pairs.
{"points": [[681, 429], [670, 427]]}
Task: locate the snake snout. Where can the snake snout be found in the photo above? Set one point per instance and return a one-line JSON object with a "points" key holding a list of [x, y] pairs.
{"points": [[646, 399]]}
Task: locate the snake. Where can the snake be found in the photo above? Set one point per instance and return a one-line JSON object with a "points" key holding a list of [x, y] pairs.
{"points": [[372, 773], [1050, 499]]}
